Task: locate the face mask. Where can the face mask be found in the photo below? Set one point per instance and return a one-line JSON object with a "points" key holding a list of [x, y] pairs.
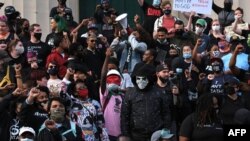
{"points": [[198, 30], [57, 115], [53, 71], [38, 36], [113, 88], [187, 55], [228, 6], [43, 104], [141, 82], [156, 3], [216, 27], [216, 53], [19, 50], [179, 32], [26, 29], [26, 139], [83, 93], [230, 90], [113, 79], [167, 12], [216, 67], [173, 55], [162, 41], [163, 80], [62, 2]]}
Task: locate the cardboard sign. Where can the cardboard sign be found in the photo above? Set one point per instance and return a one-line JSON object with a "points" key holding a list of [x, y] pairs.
{"points": [[199, 6]]}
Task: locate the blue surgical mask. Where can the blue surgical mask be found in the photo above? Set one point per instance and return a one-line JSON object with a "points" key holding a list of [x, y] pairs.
{"points": [[187, 55], [156, 3]]}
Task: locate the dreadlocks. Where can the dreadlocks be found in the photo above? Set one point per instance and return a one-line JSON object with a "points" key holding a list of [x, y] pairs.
{"points": [[204, 110]]}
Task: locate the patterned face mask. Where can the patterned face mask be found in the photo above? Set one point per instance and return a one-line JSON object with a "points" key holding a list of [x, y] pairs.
{"points": [[141, 82]]}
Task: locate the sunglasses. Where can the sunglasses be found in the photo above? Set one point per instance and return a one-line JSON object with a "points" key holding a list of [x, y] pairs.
{"points": [[52, 67]]}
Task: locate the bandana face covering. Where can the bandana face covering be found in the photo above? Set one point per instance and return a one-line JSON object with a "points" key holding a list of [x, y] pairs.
{"points": [[113, 79]]}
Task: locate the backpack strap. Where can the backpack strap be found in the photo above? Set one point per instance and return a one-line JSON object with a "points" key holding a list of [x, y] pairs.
{"points": [[72, 129]]}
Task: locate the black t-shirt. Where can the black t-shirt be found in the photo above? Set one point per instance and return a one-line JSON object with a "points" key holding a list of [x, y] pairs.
{"points": [[151, 13], [211, 132], [50, 39], [41, 49]]}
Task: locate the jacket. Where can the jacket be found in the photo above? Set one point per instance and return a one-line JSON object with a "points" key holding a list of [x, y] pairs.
{"points": [[144, 112]]}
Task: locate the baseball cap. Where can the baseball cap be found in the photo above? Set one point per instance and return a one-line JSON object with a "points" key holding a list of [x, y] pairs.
{"points": [[92, 26], [162, 67], [113, 72], [27, 129], [164, 134], [201, 22]]}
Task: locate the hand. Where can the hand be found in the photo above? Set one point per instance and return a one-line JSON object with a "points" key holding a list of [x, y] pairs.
{"points": [[239, 48], [192, 13], [109, 52], [50, 124], [17, 92], [199, 42], [74, 33], [34, 92], [202, 76], [136, 18], [70, 71], [18, 67], [171, 30], [210, 77], [85, 21]]}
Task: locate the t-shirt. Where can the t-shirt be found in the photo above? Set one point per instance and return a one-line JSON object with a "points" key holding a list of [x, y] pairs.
{"points": [[210, 132], [112, 113], [151, 13], [41, 49]]}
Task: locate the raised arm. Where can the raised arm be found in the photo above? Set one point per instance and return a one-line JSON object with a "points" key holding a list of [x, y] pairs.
{"points": [[141, 2], [232, 64], [195, 55], [216, 8]]}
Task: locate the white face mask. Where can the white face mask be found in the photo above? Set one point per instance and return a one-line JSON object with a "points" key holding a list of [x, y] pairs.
{"points": [[141, 82], [26, 139], [198, 30], [216, 27], [19, 50]]}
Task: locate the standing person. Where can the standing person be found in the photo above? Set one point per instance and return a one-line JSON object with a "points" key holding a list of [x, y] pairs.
{"points": [[27, 134], [111, 96], [226, 14], [33, 111], [59, 54], [10, 107], [144, 110], [151, 13], [58, 127], [41, 49], [60, 9], [204, 124], [167, 20]]}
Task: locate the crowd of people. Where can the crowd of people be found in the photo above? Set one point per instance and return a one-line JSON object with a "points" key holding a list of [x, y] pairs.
{"points": [[162, 80]]}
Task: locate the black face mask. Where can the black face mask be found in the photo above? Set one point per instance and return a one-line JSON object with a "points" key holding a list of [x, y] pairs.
{"points": [[230, 90], [163, 80], [53, 71], [179, 32], [62, 2], [167, 12], [228, 6], [26, 29], [38, 36]]}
